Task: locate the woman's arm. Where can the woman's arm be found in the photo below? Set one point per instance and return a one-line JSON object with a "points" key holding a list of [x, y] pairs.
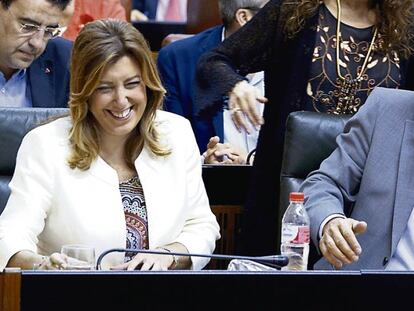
{"points": [[29, 260], [248, 50], [24, 216]]}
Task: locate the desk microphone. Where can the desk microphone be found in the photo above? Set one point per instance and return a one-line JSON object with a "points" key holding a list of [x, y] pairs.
{"points": [[276, 261]]}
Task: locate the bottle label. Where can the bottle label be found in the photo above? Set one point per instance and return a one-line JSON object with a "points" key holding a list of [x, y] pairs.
{"points": [[295, 234]]}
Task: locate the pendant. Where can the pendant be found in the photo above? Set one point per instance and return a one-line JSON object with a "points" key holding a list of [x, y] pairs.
{"points": [[347, 89]]}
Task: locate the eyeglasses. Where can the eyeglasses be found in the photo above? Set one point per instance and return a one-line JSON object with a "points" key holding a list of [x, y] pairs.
{"points": [[28, 30]]}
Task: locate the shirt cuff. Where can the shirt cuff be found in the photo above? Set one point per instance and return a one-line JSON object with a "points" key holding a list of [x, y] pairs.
{"points": [[326, 220]]}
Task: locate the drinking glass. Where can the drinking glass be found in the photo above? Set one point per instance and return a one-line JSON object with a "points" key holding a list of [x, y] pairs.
{"points": [[80, 257]]}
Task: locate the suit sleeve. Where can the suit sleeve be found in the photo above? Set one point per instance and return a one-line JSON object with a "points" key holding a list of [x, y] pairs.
{"points": [[173, 101], [336, 183], [23, 219]]}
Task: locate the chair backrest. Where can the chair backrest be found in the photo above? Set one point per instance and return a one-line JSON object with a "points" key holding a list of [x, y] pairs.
{"points": [[202, 14], [309, 139], [14, 124]]}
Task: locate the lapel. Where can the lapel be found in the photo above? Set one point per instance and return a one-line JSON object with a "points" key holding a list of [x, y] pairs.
{"points": [[153, 179], [100, 169], [41, 79], [149, 168], [404, 193]]}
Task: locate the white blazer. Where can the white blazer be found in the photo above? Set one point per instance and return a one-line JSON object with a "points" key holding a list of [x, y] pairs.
{"points": [[51, 204]]}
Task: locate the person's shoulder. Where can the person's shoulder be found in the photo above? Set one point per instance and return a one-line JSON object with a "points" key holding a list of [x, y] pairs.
{"points": [[54, 131], [57, 50], [169, 117], [59, 43], [187, 44], [387, 105], [169, 122], [389, 98], [174, 130]]}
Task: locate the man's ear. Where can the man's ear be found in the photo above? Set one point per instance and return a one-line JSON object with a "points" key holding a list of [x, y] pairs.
{"points": [[242, 16]]}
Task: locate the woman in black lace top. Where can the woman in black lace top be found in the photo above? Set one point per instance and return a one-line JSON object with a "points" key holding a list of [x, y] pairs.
{"points": [[295, 43]]}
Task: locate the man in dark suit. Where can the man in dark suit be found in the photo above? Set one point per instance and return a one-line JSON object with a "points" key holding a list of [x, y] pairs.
{"points": [[34, 63], [177, 65]]}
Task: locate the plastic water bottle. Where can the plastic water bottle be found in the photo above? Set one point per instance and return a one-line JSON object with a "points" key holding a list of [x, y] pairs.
{"points": [[295, 233]]}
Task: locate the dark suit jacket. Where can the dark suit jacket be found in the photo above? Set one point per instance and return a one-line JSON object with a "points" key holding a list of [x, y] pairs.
{"points": [[148, 7], [177, 65], [49, 75]]}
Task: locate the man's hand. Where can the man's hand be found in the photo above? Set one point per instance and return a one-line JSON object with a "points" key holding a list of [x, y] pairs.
{"points": [[218, 153], [338, 244]]}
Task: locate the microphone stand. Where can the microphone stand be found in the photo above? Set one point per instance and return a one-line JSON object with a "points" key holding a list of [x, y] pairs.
{"points": [[276, 261]]}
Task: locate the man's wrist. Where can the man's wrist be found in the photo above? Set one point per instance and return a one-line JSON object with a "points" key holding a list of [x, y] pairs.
{"points": [[328, 219]]}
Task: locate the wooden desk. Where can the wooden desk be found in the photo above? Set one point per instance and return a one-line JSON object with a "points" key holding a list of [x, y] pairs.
{"points": [[10, 284]]}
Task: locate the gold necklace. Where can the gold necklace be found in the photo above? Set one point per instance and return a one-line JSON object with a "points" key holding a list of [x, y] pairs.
{"points": [[348, 86]]}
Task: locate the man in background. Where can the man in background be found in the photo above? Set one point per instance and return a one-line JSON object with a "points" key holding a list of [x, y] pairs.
{"points": [[177, 65], [34, 70]]}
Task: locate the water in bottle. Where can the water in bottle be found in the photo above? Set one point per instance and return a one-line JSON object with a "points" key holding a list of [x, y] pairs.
{"points": [[295, 233]]}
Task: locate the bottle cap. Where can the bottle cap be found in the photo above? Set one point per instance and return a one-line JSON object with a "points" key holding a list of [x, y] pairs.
{"points": [[297, 196]]}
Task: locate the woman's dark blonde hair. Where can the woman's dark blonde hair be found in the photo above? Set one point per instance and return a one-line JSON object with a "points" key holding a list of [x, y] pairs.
{"points": [[101, 44], [395, 22]]}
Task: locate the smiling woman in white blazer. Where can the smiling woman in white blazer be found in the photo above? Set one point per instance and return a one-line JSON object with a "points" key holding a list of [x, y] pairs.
{"points": [[66, 186]]}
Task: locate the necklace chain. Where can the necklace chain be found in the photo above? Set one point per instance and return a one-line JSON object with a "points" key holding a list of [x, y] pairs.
{"points": [[348, 87]]}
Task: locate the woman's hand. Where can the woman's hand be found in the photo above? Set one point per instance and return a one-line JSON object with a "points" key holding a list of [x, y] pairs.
{"points": [[29, 260], [147, 262], [338, 244], [242, 104], [58, 261], [218, 153]]}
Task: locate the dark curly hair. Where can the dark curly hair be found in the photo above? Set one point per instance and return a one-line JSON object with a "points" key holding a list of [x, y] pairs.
{"points": [[395, 22]]}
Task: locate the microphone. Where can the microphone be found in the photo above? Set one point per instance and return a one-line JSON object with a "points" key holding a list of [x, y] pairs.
{"points": [[276, 261]]}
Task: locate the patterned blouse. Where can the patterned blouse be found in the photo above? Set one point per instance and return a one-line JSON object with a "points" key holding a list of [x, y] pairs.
{"points": [[323, 88], [135, 211]]}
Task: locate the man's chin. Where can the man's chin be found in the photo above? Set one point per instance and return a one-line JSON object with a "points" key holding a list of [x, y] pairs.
{"points": [[24, 60], [23, 63]]}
